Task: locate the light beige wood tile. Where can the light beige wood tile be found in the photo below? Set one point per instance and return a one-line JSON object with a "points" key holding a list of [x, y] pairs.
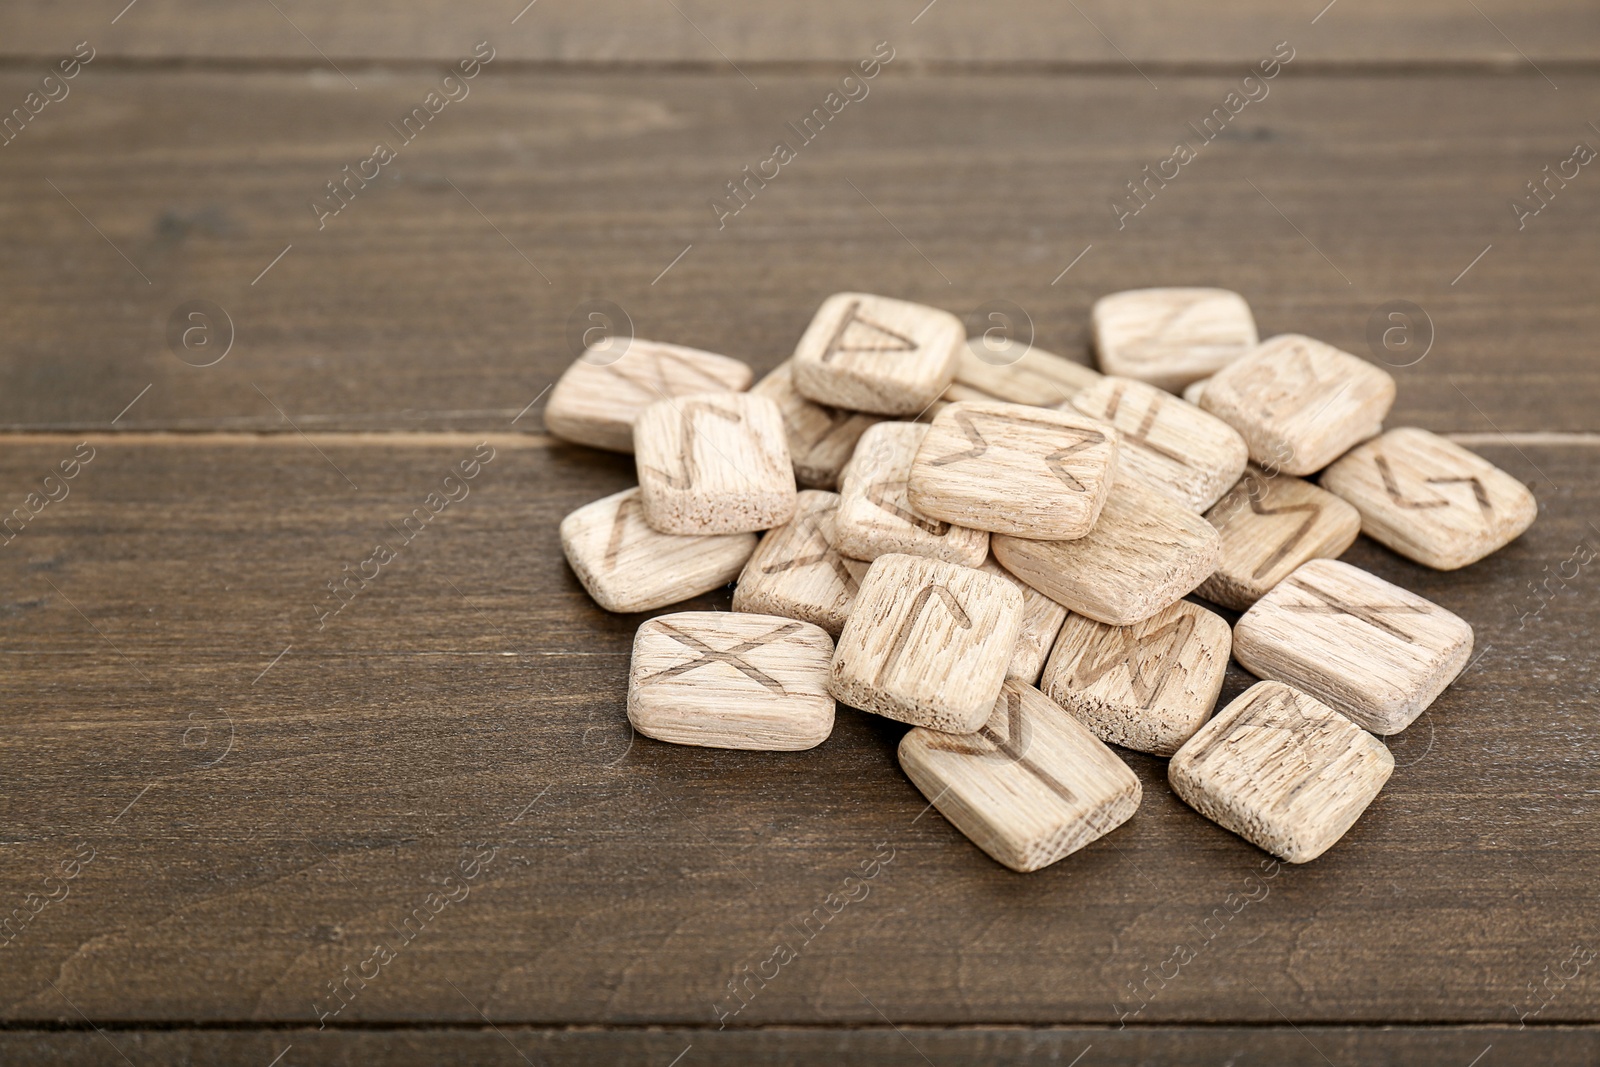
{"points": [[1282, 770], [1019, 374], [1299, 403], [821, 439], [871, 353], [1269, 525], [1431, 500], [1030, 787], [927, 642], [1170, 337], [1146, 552], [796, 571], [874, 514], [1041, 622], [1192, 391], [1167, 443], [1010, 468], [724, 679], [597, 399], [714, 463], [626, 566], [1378, 653], [1148, 686]]}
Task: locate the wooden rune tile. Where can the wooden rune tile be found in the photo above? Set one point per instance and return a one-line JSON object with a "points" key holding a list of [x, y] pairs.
{"points": [[871, 353], [821, 439], [927, 643], [626, 566], [1031, 786], [874, 514], [1378, 653], [1171, 337], [1026, 376], [1041, 621], [1191, 392], [724, 679], [796, 571], [1300, 404], [714, 463], [1010, 468], [1148, 686], [597, 399], [1269, 526], [1146, 552], [1167, 443], [1431, 500], [1282, 770]]}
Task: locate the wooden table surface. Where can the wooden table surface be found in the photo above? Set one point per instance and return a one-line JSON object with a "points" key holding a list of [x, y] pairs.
{"points": [[216, 801]]}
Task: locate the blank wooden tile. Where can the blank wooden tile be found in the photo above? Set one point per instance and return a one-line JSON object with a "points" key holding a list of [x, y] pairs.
{"points": [[1146, 552], [1167, 443], [1282, 770], [1430, 499], [1376, 652], [821, 439], [1299, 403], [1010, 468], [627, 566], [595, 403], [796, 571], [927, 643], [1269, 525], [1028, 788], [1171, 337], [871, 353], [1041, 621], [874, 515], [714, 463], [1148, 686], [1036, 377], [724, 679]]}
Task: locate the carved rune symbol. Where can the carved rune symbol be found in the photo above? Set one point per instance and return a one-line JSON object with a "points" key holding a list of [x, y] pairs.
{"points": [[1012, 748], [1279, 713], [918, 605], [878, 338], [619, 525], [1371, 614], [1141, 432], [1255, 488], [888, 495], [814, 535], [1391, 485], [733, 657], [687, 459], [1147, 675], [651, 374], [1056, 460]]}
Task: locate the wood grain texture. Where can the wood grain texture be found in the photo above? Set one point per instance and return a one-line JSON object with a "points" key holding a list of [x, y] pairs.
{"points": [[714, 463], [821, 439], [1170, 337], [875, 515], [1041, 622], [796, 571], [876, 354], [1005, 369], [596, 400], [409, 311]]}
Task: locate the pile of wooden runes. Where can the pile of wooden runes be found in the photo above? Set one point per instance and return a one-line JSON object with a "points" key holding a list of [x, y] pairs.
{"points": [[996, 545]]}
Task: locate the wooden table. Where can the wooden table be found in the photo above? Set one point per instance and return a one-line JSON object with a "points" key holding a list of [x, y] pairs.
{"points": [[222, 795]]}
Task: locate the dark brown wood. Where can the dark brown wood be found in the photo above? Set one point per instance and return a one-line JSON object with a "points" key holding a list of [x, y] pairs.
{"points": [[267, 801], [1329, 198]]}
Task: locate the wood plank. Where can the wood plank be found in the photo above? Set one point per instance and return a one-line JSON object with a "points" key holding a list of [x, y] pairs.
{"points": [[410, 311], [705, 31], [266, 801]]}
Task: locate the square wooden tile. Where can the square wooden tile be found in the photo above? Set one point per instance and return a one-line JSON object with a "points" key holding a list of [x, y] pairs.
{"points": [[797, 572], [821, 439], [1025, 375], [1377, 652], [871, 353], [1431, 500], [1031, 786], [1146, 552], [1148, 686], [626, 566], [1300, 404], [597, 399], [714, 463], [1171, 337], [874, 514], [1041, 622], [723, 679], [927, 643], [1282, 770], [1167, 443], [1010, 468], [1269, 525]]}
